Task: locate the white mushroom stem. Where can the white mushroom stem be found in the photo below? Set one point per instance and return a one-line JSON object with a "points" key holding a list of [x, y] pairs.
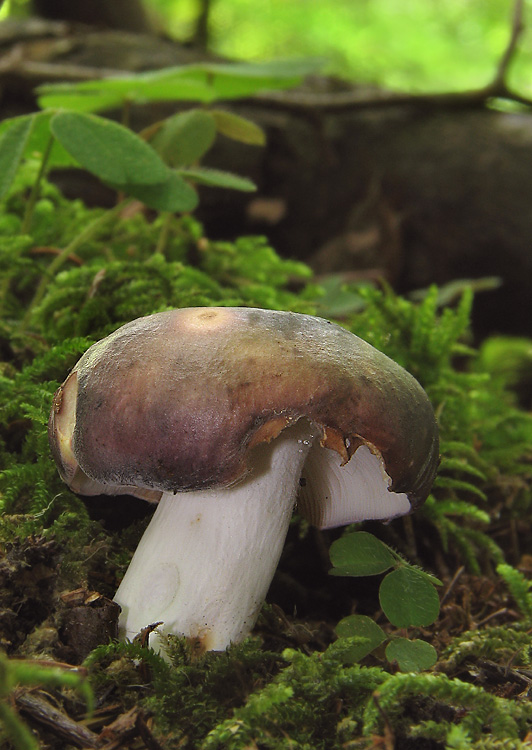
{"points": [[206, 560]]}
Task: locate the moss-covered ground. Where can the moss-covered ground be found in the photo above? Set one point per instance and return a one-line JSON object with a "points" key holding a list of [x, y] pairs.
{"points": [[293, 684]]}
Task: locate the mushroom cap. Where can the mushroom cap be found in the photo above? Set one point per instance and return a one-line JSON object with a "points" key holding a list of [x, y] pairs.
{"points": [[177, 400]]}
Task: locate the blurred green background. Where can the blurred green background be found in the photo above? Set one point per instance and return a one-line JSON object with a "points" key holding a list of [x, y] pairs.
{"points": [[412, 45]]}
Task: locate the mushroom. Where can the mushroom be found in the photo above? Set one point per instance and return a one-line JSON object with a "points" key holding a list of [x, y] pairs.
{"points": [[220, 415]]}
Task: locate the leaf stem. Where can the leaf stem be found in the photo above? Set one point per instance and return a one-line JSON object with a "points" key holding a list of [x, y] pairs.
{"points": [[35, 190], [162, 239]]}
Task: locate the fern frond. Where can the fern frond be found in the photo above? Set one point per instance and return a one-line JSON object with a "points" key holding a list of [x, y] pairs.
{"points": [[519, 587], [452, 483]]}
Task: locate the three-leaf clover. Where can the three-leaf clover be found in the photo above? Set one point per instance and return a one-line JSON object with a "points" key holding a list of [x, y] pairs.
{"points": [[407, 596]]}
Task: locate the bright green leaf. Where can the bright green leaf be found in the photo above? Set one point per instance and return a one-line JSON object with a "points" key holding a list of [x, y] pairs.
{"points": [[200, 82], [367, 633], [218, 178], [108, 150], [184, 138], [173, 194], [12, 144], [95, 96], [360, 554], [408, 599], [74, 101], [238, 128], [39, 139], [412, 656], [236, 80]]}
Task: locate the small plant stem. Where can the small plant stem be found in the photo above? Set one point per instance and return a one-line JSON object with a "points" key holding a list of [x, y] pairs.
{"points": [[4, 289], [126, 112], [35, 190], [162, 240], [87, 234]]}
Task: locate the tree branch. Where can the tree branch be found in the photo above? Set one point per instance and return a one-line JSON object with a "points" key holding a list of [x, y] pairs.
{"points": [[497, 88]]}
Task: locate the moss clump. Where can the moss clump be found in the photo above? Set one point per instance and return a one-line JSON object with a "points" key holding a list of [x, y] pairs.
{"points": [[188, 696]]}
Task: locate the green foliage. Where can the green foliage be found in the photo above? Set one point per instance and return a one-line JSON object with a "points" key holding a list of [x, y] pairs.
{"points": [[108, 150], [247, 697], [360, 554], [519, 588], [500, 644], [413, 46], [285, 714], [407, 597], [411, 655], [458, 739], [420, 336], [201, 82], [189, 695], [484, 438], [358, 636], [480, 711], [12, 144], [162, 173]]}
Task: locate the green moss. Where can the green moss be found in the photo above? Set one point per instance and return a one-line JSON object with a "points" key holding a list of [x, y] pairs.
{"points": [[486, 440], [189, 696]]}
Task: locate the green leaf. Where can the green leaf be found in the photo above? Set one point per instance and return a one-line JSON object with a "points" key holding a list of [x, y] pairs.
{"points": [[412, 656], [95, 96], [108, 150], [184, 138], [341, 297], [173, 194], [202, 82], [238, 128], [218, 178], [12, 144], [39, 138], [77, 101], [366, 635], [236, 80], [360, 554], [408, 599]]}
